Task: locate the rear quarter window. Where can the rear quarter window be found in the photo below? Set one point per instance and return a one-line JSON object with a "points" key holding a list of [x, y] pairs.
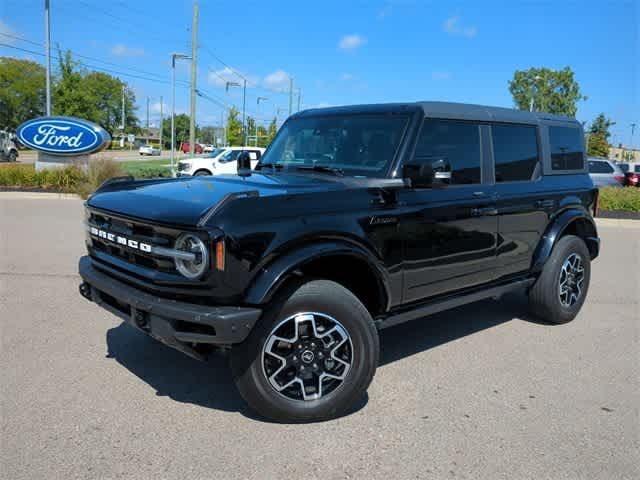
{"points": [[567, 148]]}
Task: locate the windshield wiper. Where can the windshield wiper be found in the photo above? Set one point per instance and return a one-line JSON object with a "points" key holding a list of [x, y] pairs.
{"points": [[322, 168]]}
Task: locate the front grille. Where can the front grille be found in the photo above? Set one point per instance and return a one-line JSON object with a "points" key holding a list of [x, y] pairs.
{"points": [[134, 230]]}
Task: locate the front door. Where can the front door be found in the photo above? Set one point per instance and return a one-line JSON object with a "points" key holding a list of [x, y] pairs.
{"points": [[449, 230]]}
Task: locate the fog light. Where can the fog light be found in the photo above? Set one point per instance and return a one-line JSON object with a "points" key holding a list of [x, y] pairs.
{"points": [[194, 268]]}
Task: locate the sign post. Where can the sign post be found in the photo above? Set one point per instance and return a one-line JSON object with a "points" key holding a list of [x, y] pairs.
{"points": [[62, 141]]}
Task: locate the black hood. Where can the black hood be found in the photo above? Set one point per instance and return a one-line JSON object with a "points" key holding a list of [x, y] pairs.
{"points": [[184, 201]]}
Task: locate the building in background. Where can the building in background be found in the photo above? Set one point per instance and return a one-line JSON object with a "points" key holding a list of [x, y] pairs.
{"points": [[622, 153]]}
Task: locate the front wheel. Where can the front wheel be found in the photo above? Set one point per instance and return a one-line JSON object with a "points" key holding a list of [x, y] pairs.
{"points": [[561, 288], [310, 357], [13, 156]]}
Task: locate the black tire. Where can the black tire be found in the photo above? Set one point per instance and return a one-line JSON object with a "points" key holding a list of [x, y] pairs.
{"points": [[321, 297], [13, 156], [545, 300], [202, 173]]}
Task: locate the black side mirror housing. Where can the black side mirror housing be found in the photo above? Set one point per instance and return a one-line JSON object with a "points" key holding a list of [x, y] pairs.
{"points": [[419, 175], [244, 164]]}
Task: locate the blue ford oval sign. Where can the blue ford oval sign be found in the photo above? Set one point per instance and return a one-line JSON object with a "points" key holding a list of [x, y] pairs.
{"points": [[63, 135]]}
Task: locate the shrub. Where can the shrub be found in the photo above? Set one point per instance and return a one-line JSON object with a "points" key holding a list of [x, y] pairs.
{"points": [[623, 199]]}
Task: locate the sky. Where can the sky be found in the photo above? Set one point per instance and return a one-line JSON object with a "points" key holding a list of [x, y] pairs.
{"points": [[345, 52]]}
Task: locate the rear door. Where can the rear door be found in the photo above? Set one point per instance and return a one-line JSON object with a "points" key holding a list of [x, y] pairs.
{"points": [[449, 231], [523, 201]]}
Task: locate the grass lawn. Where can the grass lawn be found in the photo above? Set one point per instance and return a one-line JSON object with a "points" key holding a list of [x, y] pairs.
{"points": [[147, 168]]}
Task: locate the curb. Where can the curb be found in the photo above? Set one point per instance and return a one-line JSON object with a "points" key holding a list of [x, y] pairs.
{"points": [[38, 196]]}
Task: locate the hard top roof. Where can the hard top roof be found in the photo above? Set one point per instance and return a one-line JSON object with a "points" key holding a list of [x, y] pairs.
{"points": [[459, 111]]}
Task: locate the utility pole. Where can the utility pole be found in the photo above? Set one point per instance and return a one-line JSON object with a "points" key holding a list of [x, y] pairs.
{"points": [[47, 48], [161, 119], [633, 128], [299, 98], [148, 120], [194, 65], [174, 56], [244, 113], [123, 123], [290, 94]]}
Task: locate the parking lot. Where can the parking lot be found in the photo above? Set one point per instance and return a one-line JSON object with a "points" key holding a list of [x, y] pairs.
{"points": [[483, 391]]}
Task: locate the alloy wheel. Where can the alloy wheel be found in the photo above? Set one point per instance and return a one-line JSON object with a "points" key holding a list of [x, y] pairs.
{"points": [[571, 280]]}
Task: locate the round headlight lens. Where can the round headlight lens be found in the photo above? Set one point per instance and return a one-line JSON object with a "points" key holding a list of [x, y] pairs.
{"points": [[192, 269]]}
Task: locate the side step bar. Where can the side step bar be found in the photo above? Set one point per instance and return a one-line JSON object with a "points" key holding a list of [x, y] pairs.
{"points": [[436, 306]]}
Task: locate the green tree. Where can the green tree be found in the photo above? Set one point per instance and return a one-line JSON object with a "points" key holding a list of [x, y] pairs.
{"points": [[234, 128], [601, 125], [182, 130], [598, 145], [271, 132], [22, 91], [94, 96], [552, 91]]}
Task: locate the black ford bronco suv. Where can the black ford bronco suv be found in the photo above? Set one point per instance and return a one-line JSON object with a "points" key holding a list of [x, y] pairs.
{"points": [[356, 218]]}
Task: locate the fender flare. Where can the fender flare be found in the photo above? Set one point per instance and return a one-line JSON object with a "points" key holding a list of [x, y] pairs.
{"points": [[554, 231], [275, 273]]}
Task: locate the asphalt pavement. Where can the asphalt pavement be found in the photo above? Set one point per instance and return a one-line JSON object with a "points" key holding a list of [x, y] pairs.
{"points": [[480, 392]]}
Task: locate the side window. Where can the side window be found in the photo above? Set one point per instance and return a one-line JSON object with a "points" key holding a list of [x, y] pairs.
{"points": [[567, 150], [623, 166], [451, 147], [636, 169], [515, 150], [599, 167]]}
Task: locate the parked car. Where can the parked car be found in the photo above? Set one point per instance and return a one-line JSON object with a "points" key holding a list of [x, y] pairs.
{"points": [[218, 162], [631, 173], [605, 173], [185, 148], [8, 147], [149, 150], [356, 218]]}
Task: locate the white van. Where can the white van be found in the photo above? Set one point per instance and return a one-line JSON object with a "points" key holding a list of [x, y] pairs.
{"points": [[219, 161]]}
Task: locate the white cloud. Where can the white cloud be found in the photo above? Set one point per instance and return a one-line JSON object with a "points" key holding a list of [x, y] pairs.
{"points": [[155, 108], [121, 50], [5, 29], [440, 75], [219, 78], [453, 26], [346, 76], [278, 80], [350, 42]]}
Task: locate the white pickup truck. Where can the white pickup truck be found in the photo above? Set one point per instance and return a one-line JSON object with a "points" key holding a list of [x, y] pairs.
{"points": [[219, 161]]}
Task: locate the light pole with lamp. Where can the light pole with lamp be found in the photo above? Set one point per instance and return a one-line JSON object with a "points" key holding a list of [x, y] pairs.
{"points": [[258, 115], [536, 79], [174, 57], [226, 101]]}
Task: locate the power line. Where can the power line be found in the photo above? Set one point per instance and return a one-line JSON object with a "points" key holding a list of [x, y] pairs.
{"points": [[144, 72]]}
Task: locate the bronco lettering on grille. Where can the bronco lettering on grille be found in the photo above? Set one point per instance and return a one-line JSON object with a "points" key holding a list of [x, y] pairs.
{"points": [[120, 240]]}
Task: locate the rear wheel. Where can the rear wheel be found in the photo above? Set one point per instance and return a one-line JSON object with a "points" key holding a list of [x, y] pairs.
{"points": [[561, 288], [311, 356], [13, 155]]}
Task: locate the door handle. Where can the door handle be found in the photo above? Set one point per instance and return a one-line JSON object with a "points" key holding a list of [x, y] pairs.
{"points": [[483, 212], [545, 204]]}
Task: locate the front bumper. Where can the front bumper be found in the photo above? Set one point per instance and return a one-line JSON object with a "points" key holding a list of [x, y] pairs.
{"points": [[183, 326]]}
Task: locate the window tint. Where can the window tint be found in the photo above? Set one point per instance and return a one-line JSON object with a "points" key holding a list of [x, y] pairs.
{"points": [[636, 169], [624, 167], [515, 149], [566, 148], [451, 146], [596, 166]]}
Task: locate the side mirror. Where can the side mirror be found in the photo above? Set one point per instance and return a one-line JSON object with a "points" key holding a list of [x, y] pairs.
{"points": [[244, 164], [420, 175]]}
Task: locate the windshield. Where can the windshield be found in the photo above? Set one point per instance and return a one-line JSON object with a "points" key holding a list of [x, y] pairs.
{"points": [[215, 152], [359, 145]]}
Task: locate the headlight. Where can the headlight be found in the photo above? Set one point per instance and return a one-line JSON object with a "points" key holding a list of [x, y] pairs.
{"points": [[194, 268]]}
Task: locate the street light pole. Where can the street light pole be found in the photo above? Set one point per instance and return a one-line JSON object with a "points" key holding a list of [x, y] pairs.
{"points": [[174, 56], [244, 110], [226, 124], [47, 47], [194, 66], [161, 120], [258, 115], [536, 79]]}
